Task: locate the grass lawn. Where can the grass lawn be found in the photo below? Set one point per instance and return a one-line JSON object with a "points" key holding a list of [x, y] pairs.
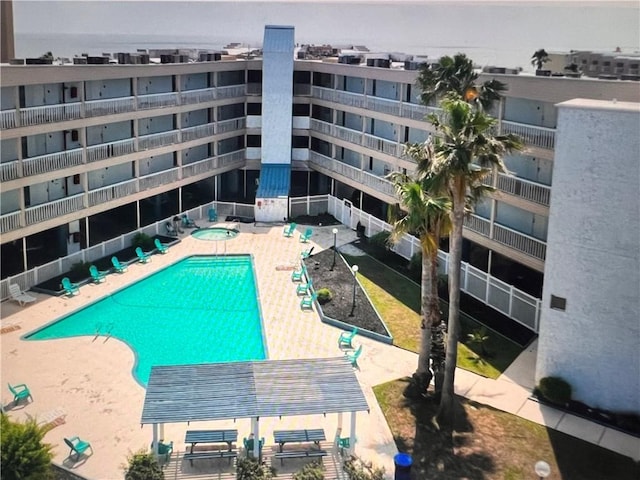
{"points": [[489, 444], [397, 299]]}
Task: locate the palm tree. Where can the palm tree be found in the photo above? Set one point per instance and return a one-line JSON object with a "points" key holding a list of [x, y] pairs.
{"points": [[465, 152], [425, 215], [458, 75], [539, 58]]}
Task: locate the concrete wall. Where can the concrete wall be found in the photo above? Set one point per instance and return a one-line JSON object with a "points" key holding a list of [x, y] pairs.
{"points": [[593, 255]]}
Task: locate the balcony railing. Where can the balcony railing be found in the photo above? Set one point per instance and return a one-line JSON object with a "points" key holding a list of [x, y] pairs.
{"points": [[321, 127], [8, 119], [51, 162], [157, 140], [383, 105], [230, 125], [199, 131], [157, 179], [9, 222], [49, 113], [382, 145], [112, 192], [531, 191], [350, 99], [199, 167], [232, 158], [347, 134], [232, 91], [197, 96], [109, 106], [477, 224], [110, 150], [519, 241], [9, 170], [57, 208], [322, 93], [532, 135], [157, 100]]}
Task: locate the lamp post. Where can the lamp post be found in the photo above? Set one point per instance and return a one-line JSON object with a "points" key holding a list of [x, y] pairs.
{"points": [[542, 469], [354, 269], [335, 234]]}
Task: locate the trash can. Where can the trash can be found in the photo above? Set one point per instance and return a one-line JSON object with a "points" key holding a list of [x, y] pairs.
{"points": [[402, 463]]}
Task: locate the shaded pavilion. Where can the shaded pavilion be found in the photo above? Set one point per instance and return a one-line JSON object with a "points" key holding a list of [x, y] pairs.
{"points": [[255, 389]]}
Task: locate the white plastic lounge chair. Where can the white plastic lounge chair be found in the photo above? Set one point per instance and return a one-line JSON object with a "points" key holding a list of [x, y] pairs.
{"points": [[19, 296]]}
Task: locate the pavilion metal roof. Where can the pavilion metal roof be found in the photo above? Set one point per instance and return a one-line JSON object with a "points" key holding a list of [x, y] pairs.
{"points": [[275, 180], [270, 388]]}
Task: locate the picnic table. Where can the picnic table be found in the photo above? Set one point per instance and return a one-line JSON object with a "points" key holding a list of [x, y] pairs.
{"points": [[211, 436], [315, 435]]}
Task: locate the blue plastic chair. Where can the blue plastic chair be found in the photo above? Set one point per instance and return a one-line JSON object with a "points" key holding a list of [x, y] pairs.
{"points": [[304, 288], [289, 229], [143, 257], [306, 253], [307, 301], [162, 248], [213, 215], [296, 275], [78, 446], [304, 237], [187, 222], [346, 338], [117, 266], [19, 392], [69, 287], [353, 356], [96, 275], [248, 446]]}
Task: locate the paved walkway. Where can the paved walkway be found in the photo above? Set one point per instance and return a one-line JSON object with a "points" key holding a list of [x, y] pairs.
{"points": [[83, 386]]}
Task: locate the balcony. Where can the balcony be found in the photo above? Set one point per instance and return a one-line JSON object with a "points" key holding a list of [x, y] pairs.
{"points": [[351, 136], [199, 131], [7, 119], [50, 113], [51, 162], [207, 165], [374, 182], [57, 208], [477, 224], [155, 180], [112, 192], [157, 140], [110, 150], [531, 135], [531, 191], [382, 145], [383, 105], [321, 127], [232, 125], [157, 100], [9, 222], [236, 158], [109, 106], [232, 91], [9, 170], [197, 96], [417, 112]]}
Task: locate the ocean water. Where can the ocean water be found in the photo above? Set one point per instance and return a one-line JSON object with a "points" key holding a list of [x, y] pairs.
{"points": [[490, 32]]}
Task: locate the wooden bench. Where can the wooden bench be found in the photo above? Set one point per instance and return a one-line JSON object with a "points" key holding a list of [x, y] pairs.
{"points": [[230, 454], [299, 454]]}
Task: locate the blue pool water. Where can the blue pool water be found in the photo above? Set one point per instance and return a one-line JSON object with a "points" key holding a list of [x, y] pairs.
{"points": [[203, 309]]}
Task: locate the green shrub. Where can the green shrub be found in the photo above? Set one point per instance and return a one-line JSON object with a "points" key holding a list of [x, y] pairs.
{"points": [[250, 469], [143, 241], [22, 454], [324, 295], [380, 246], [358, 469], [143, 465], [555, 389], [311, 471]]}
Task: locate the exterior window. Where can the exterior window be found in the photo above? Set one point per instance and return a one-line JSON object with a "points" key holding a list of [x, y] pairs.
{"points": [[558, 303]]}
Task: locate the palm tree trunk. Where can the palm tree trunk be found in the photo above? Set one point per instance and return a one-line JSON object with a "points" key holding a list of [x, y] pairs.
{"points": [[445, 410]]}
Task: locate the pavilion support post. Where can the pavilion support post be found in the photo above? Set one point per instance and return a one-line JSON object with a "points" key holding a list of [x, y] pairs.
{"points": [[154, 442], [161, 432], [340, 421], [352, 433], [255, 429]]}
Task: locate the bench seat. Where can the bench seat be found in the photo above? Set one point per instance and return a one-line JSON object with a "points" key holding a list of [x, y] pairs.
{"points": [[300, 454], [230, 454]]}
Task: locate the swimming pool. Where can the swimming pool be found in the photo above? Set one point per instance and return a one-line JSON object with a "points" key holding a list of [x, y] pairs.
{"points": [[215, 233], [202, 309]]}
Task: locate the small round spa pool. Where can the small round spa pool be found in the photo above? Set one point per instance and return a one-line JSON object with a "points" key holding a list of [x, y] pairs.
{"points": [[215, 234]]}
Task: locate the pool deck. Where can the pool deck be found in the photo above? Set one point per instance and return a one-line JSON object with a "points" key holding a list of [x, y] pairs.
{"points": [[83, 386]]}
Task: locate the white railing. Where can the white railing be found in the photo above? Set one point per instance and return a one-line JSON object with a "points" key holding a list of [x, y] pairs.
{"points": [[514, 303], [199, 131], [477, 224], [7, 119], [526, 189], [382, 145], [532, 135], [351, 136], [157, 100], [109, 106], [9, 221], [111, 192], [350, 99], [57, 208], [157, 140], [322, 93], [237, 157], [413, 111], [321, 127], [158, 179], [383, 105], [232, 125], [109, 150], [232, 91], [308, 205], [49, 113], [197, 96], [9, 170], [519, 241], [199, 167], [51, 162]]}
